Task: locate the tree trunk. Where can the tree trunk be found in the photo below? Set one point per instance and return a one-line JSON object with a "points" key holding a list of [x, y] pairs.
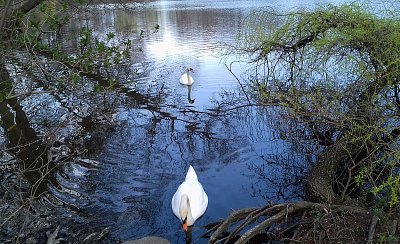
{"points": [[321, 177], [12, 10], [4, 13]]}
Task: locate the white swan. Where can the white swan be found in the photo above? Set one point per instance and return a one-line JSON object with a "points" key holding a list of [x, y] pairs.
{"points": [[190, 200], [186, 79]]}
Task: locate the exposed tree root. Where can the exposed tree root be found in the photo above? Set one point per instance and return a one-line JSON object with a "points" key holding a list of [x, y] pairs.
{"points": [[281, 222]]}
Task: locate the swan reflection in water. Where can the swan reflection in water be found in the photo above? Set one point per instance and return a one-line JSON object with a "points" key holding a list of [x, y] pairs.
{"points": [[190, 94]]}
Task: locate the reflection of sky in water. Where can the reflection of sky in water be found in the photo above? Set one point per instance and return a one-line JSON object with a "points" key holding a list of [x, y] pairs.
{"points": [[235, 4], [167, 46], [240, 159], [241, 163], [192, 39], [197, 38]]}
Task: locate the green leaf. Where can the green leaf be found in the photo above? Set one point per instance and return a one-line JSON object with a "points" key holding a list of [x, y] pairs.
{"points": [[110, 35], [3, 96], [97, 88]]}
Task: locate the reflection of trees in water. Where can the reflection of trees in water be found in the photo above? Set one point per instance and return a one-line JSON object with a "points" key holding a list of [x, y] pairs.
{"points": [[42, 130], [46, 115], [340, 95], [165, 139], [27, 161], [284, 158], [278, 170], [158, 138]]}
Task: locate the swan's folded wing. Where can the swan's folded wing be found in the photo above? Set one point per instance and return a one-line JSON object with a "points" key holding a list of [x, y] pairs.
{"points": [[176, 201], [198, 200]]}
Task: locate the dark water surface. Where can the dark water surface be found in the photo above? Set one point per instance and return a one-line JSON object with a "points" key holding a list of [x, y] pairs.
{"points": [[239, 158], [239, 155]]}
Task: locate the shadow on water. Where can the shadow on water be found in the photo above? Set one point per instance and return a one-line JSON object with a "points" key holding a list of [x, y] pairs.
{"points": [[23, 142]]}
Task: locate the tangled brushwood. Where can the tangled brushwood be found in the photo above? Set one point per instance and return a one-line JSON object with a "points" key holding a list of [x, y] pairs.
{"points": [[335, 74], [302, 222]]}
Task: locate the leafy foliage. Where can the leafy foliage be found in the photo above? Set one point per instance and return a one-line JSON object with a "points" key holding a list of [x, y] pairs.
{"points": [[97, 57], [336, 70]]}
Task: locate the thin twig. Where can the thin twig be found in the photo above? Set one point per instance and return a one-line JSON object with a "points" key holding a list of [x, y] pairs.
{"points": [[240, 83], [296, 232]]}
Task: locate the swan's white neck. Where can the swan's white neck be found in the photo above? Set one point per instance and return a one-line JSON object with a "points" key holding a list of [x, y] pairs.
{"points": [[184, 210]]}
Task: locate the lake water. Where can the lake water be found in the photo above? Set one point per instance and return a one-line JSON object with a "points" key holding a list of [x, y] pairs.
{"points": [[240, 156]]}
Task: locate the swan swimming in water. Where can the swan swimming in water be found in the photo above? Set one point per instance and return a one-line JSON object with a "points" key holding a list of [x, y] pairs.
{"points": [[186, 79], [190, 200]]}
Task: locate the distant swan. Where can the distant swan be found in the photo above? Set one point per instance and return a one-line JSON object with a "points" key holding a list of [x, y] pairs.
{"points": [[189, 201], [186, 79]]}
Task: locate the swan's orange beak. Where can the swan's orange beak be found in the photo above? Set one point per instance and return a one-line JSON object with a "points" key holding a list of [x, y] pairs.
{"points": [[185, 226]]}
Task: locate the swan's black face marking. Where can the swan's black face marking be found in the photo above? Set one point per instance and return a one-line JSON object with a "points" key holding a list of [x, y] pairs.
{"points": [[184, 220], [191, 69]]}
